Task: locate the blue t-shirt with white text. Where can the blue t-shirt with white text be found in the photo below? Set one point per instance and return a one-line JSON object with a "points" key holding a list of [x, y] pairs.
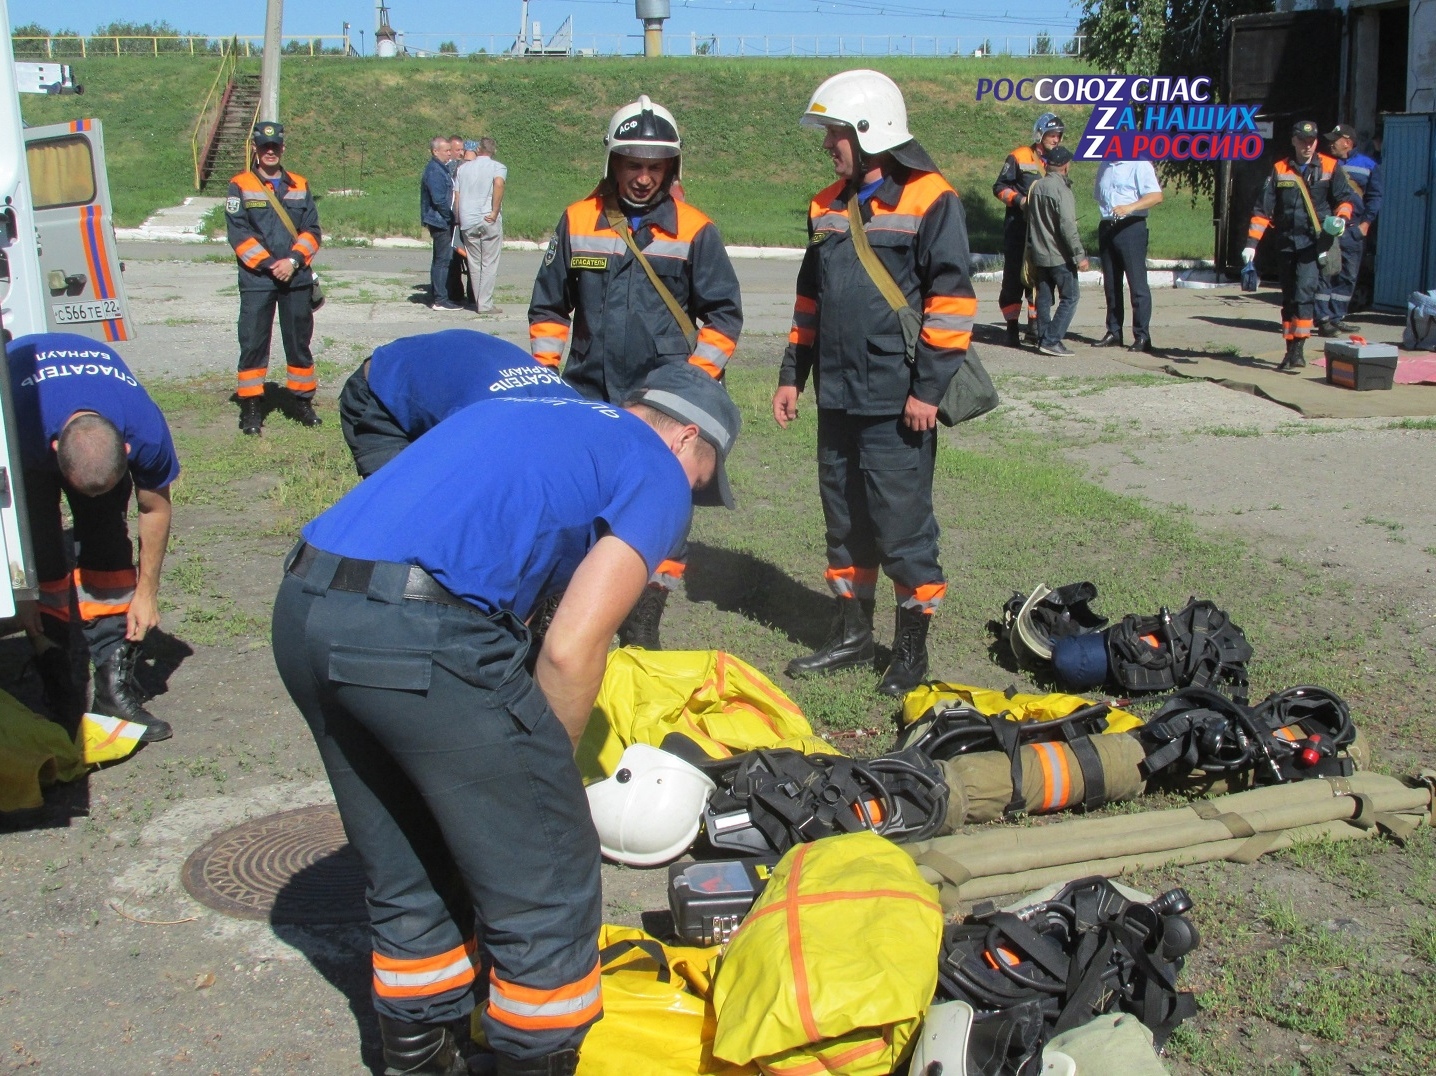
{"points": [[424, 379], [53, 375], [501, 501]]}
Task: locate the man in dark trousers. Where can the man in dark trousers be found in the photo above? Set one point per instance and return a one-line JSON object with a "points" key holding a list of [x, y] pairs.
{"points": [[273, 226], [406, 388], [592, 286], [1024, 166], [399, 632], [436, 211], [1305, 176], [877, 408], [1055, 248], [88, 431], [1125, 191], [1333, 296]]}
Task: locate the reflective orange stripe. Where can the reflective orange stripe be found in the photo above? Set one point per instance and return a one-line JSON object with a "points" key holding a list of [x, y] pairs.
{"points": [[399, 977], [804, 305], [828, 1062], [928, 595], [55, 598], [950, 304], [852, 582], [1291, 733], [251, 251], [795, 949], [675, 568], [947, 338], [302, 377], [1056, 777], [801, 337], [104, 593], [707, 367], [1344, 211], [251, 383], [531, 1009], [307, 245]]}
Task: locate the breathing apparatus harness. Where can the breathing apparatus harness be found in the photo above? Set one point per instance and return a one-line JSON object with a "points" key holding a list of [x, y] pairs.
{"points": [[1041, 969], [776, 798], [1197, 646], [1200, 729]]}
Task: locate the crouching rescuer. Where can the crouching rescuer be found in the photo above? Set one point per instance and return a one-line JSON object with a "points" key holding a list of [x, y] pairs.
{"points": [[877, 376], [89, 432], [399, 633], [632, 280]]}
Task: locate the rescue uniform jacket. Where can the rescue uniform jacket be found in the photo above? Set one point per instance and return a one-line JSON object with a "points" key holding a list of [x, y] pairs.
{"points": [[845, 333], [259, 237], [1052, 234], [592, 294], [436, 196], [1281, 204], [1024, 166], [1364, 173]]}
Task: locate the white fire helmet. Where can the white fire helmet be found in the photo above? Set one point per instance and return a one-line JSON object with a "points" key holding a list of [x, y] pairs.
{"points": [[1031, 645], [648, 811], [643, 129], [867, 101]]}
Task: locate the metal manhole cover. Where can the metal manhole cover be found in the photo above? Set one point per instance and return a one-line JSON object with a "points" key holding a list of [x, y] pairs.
{"points": [[292, 867]]}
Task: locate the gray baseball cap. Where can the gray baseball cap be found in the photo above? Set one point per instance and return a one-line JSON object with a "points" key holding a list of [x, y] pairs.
{"points": [[686, 393]]}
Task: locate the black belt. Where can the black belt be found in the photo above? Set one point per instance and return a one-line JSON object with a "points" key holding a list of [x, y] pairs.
{"points": [[353, 577]]}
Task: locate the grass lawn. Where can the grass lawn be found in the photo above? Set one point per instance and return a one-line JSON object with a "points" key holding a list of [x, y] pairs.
{"points": [[365, 124]]}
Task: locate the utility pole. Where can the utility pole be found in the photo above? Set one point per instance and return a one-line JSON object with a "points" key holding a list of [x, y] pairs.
{"points": [[269, 69]]}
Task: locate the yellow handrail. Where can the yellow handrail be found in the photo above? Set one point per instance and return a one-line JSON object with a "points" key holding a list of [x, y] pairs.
{"points": [[229, 60]]}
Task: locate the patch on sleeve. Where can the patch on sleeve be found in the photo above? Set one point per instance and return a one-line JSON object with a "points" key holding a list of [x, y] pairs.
{"points": [[551, 251], [231, 204]]}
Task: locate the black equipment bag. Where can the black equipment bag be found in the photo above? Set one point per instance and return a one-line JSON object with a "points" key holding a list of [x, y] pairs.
{"points": [[1198, 646]]}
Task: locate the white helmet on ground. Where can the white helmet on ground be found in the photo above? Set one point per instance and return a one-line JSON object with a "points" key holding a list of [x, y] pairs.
{"points": [[648, 811], [643, 129], [867, 101]]}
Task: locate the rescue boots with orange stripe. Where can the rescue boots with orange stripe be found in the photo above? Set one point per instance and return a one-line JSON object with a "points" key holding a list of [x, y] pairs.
{"points": [[850, 641], [563, 1063], [251, 416], [640, 627], [420, 1049], [908, 668], [1294, 359], [117, 696]]}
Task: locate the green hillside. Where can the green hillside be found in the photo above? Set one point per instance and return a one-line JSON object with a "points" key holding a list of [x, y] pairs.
{"points": [[365, 124]]}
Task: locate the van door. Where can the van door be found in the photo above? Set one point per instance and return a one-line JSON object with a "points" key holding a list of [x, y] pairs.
{"points": [[78, 259]]}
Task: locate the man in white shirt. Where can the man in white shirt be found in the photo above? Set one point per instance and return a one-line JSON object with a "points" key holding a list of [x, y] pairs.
{"points": [[479, 192], [1125, 191]]}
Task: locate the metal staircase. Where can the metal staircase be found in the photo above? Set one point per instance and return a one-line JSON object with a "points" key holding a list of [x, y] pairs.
{"points": [[220, 141]]}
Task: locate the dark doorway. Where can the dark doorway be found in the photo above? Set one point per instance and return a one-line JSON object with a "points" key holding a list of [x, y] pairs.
{"points": [[1395, 40]]}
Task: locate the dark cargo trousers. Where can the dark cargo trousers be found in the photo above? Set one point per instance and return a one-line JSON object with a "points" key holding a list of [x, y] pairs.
{"points": [[458, 790], [1300, 276], [1014, 250], [257, 312], [374, 436], [875, 478], [1333, 295], [102, 583]]}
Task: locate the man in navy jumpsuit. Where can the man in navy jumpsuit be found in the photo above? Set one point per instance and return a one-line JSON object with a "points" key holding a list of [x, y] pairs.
{"points": [[408, 387], [398, 631], [88, 430]]}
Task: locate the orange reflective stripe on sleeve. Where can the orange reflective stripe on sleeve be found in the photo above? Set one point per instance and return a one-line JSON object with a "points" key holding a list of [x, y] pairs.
{"points": [[1258, 227], [398, 977], [251, 252], [307, 246], [531, 1009], [1344, 211], [546, 341], [713, 351], [1056, 777], [104, 593], [947, 321]]}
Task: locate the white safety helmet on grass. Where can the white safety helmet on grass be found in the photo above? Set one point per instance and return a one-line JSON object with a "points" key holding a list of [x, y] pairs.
{"points": [[643, 129], [648, 811], [1030, 645], [867, 101]]}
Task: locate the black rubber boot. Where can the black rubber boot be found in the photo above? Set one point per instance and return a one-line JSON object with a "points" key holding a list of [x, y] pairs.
{"points": [[251, 416], [563, 1063], [1014, 335], [1294, 359], [849, 644], [641, 626], [116, 695], [909, 663], [303, 410], [420, 1049]]}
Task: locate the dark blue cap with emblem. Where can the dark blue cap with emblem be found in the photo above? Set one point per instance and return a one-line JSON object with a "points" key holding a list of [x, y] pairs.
{"points": [[268, 133]]}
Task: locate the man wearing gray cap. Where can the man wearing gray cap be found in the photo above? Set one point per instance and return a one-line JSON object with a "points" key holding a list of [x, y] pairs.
{"points": [[399, 632], [1055, 249]]}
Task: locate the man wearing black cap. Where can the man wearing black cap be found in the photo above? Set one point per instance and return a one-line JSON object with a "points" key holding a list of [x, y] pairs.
{"points": [[399, 632], [1333, 297], [1055, 248], [1308, 201], [639, 280], [879, 365], [273, 226]]}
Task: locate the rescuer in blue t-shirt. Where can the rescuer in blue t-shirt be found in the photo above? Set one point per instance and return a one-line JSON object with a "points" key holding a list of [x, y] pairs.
{"points": [[87, 429], [399, 632], [408, 387]]}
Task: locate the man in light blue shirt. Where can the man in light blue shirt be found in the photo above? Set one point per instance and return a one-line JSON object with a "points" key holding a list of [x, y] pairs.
{"points": [[1125, 191]]}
